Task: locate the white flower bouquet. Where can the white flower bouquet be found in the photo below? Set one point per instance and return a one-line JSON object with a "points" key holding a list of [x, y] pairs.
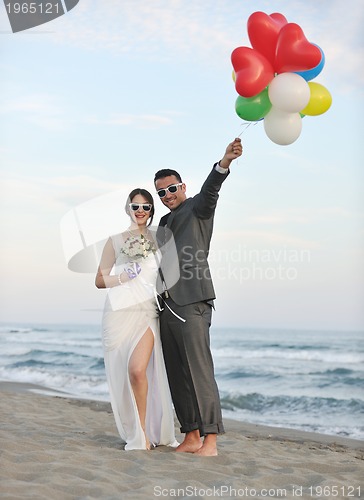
{"points": [[137, 247]]}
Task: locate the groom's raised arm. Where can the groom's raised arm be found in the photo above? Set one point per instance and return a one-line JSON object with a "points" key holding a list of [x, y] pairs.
{"points": [[205, 202]]}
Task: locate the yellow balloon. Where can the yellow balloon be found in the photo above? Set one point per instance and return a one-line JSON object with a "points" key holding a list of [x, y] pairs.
{"points": [[234, 76], [320, 100]]}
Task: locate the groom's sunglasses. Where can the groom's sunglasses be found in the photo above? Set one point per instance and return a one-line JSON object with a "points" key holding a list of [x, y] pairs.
{"points": [[172, 189], [147, 207]]}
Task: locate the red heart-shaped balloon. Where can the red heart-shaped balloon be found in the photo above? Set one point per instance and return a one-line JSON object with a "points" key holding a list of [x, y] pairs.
{"points": [[263, 31], [294, 52], [253, 72]]}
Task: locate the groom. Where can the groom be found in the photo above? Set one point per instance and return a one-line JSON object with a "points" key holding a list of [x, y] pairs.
{"points": [[186, 317]]}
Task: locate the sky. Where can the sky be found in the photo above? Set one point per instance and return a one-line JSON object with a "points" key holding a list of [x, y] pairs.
{"points": [[93, 103]]}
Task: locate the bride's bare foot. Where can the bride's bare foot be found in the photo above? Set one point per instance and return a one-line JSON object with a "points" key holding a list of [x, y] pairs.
{"points": [[148, 446], [191, 443]]}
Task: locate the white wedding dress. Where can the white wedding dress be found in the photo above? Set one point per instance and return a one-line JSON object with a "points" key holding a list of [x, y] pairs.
{"points": [[129, 310]]}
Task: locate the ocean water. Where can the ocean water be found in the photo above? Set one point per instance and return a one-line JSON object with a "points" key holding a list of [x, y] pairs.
{"points": [[307, 380]]}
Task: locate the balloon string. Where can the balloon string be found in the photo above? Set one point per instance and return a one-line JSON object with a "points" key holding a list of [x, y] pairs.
{"points": [[247, 125]]}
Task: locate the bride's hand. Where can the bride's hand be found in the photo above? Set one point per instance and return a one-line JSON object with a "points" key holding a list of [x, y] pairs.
{"points": [[132, 270]]}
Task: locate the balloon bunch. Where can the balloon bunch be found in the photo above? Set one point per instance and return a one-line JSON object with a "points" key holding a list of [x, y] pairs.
{"points": [[273, 77]]}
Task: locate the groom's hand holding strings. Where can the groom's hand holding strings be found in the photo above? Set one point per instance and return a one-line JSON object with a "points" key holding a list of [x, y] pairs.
{"points": [[233, 151]]}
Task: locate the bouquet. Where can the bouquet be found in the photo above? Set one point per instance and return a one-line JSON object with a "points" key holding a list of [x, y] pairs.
{"points": [[137, 247]]}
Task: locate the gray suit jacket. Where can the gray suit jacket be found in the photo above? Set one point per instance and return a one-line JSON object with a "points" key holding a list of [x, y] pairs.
{"points": [[184, 237]]}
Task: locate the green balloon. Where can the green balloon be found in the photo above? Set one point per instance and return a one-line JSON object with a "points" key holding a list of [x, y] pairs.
{"points": [[253, 108]]}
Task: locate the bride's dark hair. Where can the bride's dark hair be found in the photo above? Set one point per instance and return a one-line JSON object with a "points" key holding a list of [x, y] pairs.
{"points": [[146, 195]]}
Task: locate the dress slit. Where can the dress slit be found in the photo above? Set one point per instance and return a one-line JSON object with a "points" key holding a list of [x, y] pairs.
{"points": [[123, 328]]}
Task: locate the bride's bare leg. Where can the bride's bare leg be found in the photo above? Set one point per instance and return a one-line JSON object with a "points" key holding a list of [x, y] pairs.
{"points": [[138, 375]]}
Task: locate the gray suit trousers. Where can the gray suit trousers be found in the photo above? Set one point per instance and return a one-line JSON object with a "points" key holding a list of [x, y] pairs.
{"points": [[189, 365]]}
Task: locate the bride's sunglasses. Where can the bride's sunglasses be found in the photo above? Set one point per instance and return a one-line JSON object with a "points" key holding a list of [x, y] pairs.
{"points": [[172, 189], [147, 207]]}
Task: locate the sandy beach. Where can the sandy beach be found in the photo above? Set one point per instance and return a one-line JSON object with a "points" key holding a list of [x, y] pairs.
{"points": [[56, 447]]}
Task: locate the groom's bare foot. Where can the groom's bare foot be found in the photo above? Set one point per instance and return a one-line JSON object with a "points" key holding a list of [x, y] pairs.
{"points": [[189, 447], [191, 443], [209, 448], [206, 451]]}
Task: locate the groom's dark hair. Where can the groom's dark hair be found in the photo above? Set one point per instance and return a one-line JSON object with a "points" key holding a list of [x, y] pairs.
{"points": [[166, 172]]}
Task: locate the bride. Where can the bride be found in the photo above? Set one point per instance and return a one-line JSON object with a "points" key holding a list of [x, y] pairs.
{"points": [[134, 365]]}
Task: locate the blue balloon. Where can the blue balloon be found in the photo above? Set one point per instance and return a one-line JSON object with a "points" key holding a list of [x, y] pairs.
{"points": [[310, 74]]}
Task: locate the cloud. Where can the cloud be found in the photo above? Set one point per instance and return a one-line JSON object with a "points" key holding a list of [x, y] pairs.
{"points": [[339, 33], [201, 31], [341, 212], [180, 31], [162, 30], [50, 112], [277, 219], [136, 121], [77, 189], [261, 239], [303, 216], [44, 110], [52, 194]]}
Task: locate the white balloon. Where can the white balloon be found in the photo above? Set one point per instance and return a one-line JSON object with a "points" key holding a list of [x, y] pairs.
{"points": [[289, 92], [281, 127]]}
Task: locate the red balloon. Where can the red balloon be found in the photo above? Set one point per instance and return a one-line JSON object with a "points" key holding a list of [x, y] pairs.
{"points": [[263, 31], [253, 72], [294, 52]]}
